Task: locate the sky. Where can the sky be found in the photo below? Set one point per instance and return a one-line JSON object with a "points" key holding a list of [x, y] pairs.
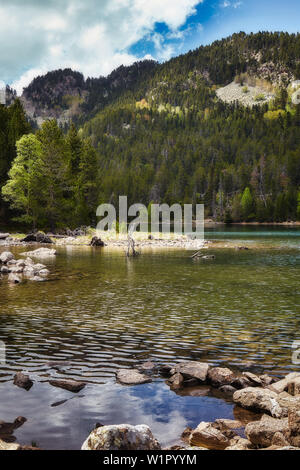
{"points": [[96, 36]]}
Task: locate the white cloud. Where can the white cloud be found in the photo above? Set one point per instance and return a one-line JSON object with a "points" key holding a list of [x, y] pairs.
{"points": [[93, 37]]}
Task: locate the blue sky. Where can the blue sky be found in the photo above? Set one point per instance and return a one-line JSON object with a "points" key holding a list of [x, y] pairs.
{"points": [[216, 19], [96, 36]]}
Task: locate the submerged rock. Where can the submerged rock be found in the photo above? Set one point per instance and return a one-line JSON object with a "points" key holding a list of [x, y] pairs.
{"points": [[22, 380], [40, 253], [68, 384], [132, 377], [122, 437]]}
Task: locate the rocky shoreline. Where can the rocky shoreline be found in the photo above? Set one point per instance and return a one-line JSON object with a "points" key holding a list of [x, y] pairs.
{"points": [[267, 413]]}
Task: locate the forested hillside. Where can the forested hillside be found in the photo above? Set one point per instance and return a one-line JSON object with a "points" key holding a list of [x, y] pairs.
{"points": [[159, 133]]}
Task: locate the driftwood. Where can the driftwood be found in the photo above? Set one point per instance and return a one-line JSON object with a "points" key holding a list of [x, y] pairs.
{"points": [[131, 251], [197, 255]]}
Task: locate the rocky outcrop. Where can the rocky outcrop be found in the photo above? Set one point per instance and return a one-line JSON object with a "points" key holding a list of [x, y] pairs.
{"points": [[132, 377], [122, 437]]}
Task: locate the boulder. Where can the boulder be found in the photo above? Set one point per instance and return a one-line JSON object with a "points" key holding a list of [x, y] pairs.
{"points": [[176, 382], [225, 424], [206, 435], [282, 385], [241, 382], [38, 237], [294, 426], [294, 386], [7, 446], [132, 377], [266, 380], [6, 256], [122, 437], [68, 384], [261, 433], [254, 380], [239, 443], [97, 242], [219, 376], [14, 278], [259, 399], [22, 380], [192, 370], [287, 401], [4, 236]]}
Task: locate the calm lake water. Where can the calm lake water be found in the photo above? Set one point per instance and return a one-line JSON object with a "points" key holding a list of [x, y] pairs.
{"points": [[101, 311]]}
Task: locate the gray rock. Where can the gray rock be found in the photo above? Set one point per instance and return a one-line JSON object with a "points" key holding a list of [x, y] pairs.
{"points": [[6, 256], [122, 437], [132, 377]]}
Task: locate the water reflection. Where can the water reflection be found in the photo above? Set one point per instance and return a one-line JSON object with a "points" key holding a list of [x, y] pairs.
{"points": [[101, 312]]}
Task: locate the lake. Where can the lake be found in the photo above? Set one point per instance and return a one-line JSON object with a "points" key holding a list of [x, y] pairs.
{"points": [[101, 311]]}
